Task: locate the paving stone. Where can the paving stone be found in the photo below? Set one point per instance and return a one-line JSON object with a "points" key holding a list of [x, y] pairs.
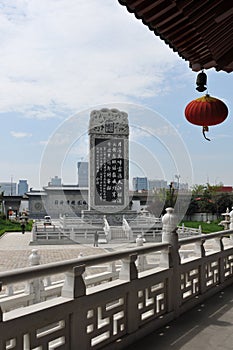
{"points": [[15, 250]]}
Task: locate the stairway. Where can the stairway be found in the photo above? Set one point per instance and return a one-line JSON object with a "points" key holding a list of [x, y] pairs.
{"points": [[118, 233]]}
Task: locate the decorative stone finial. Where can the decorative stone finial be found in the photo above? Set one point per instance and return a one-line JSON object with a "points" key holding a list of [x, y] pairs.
{"points": [[169, 225], [34, 258], [169, 220]]}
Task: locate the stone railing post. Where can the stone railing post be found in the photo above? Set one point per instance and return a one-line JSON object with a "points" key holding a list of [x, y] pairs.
{"points": [[231, 222], [107, 229], [0, 305], [139, 241], [10, 290], [35, 286], [34, 232], [169, 235], [128, 273], [74, 285], [72, 234], [199, 249], [127, 229], [129, 270], [112, 267], [172, 259], [141, 261]]}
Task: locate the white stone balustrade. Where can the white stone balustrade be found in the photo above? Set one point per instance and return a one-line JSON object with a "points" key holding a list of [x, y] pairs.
{"points": [[114, 314]]}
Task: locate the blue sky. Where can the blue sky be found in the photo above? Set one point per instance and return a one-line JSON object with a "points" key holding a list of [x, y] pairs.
{"points": [[63, 58]]}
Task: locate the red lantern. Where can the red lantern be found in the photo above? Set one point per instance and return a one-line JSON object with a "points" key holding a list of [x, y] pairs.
{"points": [[206, 111]]}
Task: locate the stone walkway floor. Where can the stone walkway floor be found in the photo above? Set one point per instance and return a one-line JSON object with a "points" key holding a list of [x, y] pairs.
{"points": [[208, 326]]}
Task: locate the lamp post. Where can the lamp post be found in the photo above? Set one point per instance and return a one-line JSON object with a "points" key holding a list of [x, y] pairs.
{"points": [[178, 187], [178, 181]]}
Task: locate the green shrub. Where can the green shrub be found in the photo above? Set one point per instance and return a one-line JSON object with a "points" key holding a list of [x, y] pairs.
{"points": [[13, 226], [205, 227]]}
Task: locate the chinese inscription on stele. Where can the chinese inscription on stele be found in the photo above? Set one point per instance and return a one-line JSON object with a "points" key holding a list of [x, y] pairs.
{"points": [[109, 171], [109, 131]]}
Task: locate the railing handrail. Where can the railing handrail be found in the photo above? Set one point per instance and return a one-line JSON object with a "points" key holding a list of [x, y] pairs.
{"points": [[204, 237], [19, 275], [22, 274]]}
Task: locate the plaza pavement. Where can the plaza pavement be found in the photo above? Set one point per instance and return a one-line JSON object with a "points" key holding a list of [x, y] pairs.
{"points": [[15, 250], [209, 326]]}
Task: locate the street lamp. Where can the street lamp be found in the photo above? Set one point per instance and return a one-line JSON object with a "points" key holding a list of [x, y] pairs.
{"points": [[178, 181]]}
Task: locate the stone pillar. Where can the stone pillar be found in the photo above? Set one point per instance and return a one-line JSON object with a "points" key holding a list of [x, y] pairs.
{"points": [[74, 285], [1, 313], [128, 271], [139, 241], [34, 258], [141, 261], [171, 259], [36, 286], [169, 235]]}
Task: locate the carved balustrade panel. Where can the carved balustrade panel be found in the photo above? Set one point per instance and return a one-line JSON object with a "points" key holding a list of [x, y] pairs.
{"points": [[106, 321], [212, 273], [39, 335], [152, 301], [228, 266], [190, 283]]}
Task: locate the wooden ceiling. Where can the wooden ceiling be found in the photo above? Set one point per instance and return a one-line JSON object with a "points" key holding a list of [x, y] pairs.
{"points": [[200, 31]]}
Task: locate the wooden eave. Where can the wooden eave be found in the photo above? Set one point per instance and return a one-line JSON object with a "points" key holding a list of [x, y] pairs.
{"points": [[200, 31]]}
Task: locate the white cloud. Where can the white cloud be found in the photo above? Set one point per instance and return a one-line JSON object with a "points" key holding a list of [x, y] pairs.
{"points": [[76, 53], [20, 135], [43, 143]]}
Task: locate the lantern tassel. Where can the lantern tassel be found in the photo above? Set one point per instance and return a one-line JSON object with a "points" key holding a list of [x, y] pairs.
{"points": [[205, 129]]}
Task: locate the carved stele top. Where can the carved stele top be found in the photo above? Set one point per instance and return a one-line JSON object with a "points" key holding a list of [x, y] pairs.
{"points": [[109, 121]]}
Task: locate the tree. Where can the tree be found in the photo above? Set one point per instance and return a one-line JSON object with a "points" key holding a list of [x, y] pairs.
{"points": [[157, 205], [223, 201], [1, 200], [171, 196], [198, 189], [193, 207], [203, 199]]}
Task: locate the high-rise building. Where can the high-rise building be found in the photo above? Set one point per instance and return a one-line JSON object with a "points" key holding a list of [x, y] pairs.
{"points": [[82, 174], [157, 184], [140, 184], [9, 188], [22, 187]]}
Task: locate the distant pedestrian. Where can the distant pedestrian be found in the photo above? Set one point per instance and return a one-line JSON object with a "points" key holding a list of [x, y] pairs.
{"points": [[96, 238], [23, 227]]}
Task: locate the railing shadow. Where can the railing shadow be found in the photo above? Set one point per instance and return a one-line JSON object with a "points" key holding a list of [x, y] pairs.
{"points": [[207, 326]]}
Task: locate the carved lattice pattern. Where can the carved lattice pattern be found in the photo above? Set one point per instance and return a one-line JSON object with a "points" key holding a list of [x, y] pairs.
{"points": [[212, 273], [107, 321], [190, 283], [228, 266], [52, 336], [152, 301]]}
